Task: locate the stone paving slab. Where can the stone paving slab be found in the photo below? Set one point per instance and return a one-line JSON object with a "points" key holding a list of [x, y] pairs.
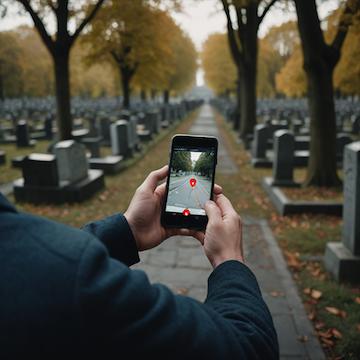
{"points": [[180, 264]]}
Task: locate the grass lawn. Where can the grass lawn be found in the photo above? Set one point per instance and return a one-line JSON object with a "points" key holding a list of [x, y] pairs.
{"points": [[334, 309]]}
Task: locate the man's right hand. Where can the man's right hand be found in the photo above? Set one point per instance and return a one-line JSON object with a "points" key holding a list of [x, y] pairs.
{"points": [[223, 235]]}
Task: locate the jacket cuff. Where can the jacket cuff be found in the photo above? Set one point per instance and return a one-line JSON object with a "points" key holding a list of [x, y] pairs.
{"points": [[115, 233]]}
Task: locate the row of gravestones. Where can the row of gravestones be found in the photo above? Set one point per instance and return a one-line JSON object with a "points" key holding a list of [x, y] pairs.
{"points": [[294, 114], [64, 175], [297, 146]]}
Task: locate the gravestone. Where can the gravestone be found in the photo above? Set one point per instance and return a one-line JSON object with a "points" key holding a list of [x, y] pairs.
{"points": [[22, 135], [2, 157], [283, 164], [105, 124], [134, 140], [341, 141], [342, 259], [261, 135], [93, 145], [121, 138], [48, 127], [71, 161], [40, 170], [355, 124]]}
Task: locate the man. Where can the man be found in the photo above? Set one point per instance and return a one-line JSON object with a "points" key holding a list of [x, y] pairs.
{"points": [[66, 292]]}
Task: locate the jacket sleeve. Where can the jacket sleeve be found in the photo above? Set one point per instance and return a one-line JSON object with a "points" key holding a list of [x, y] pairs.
{"points": [[122, 312], [115, 233]]}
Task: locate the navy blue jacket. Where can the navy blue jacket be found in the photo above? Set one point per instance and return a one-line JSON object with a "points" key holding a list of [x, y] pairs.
{"points": [[65, 291]]}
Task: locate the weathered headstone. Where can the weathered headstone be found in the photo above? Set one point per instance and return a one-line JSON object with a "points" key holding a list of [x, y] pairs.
{"points": [[40, 170], [261, 135], [71, 161], [105, 124], [283, 164], [121, 138], [48, 127], [22, 134], [342, 259]]}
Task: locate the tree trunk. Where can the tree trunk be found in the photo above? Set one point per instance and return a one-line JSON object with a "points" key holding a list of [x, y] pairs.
{"points": [[166, 96], [62, 91], [322, 162], [125, 84], [248, 100], [237, 115], [320, 60]]}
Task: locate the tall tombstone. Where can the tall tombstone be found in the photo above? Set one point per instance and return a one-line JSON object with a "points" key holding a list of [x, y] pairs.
{"points": [[134, 141], [40, 170], [48, 127], [355, 124], [283, 164], [22, 134], [121, 138], [261, 135], [105, 124], [71, 161], [342, 259]]}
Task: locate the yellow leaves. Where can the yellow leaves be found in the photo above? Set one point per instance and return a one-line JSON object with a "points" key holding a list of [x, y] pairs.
{"points": [[293, 260], [220, 71]]}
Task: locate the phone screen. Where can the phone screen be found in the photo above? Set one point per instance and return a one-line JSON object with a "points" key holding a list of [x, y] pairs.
{"points": [[190, 180]]}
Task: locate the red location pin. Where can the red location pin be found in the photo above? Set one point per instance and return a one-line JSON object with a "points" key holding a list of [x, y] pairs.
{"points": [[192, 182], [186, 212]]}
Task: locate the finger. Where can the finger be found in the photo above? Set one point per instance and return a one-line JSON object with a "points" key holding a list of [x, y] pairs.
{"points": [[225, 205], [212, 211], [217, 189], [150, 183], [199, 235], [160, 190]]}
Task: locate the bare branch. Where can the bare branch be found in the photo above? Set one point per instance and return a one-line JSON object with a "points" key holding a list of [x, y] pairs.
{"points": [[39, 25], [87, 19], [265, 11], [344, 24]]}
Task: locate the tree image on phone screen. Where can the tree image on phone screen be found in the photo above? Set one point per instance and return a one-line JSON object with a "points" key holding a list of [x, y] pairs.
{"points": [[190, 181]]}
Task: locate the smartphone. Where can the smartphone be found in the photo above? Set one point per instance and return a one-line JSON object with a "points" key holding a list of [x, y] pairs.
{"points": [[190, 182]]}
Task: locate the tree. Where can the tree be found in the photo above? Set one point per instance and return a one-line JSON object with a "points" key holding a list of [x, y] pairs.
{"points": [[181, 161], [10, 66], [320, 60], [220, 71], [204, 164], [244, 49], [59, 46], [291, 80]]}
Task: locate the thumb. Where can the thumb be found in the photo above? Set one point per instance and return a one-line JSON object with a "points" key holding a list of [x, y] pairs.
{"points": [[212, 211]]}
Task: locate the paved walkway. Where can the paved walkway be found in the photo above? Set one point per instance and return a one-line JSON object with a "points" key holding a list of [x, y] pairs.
{"points": [[180, 264]]}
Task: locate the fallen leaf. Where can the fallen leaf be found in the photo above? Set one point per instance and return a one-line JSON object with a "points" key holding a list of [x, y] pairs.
{"points": [[325, 334], [307, 291], [332, 310], [327, 342], [293, 260], [276, 293], [358, 327], [336, 333], [319, 325], [312, 315], [357, 300], [303, 338], [316, 294]]}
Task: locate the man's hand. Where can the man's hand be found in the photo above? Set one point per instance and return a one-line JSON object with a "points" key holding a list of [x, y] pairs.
{"points": [[223, 235], [144, 213]]}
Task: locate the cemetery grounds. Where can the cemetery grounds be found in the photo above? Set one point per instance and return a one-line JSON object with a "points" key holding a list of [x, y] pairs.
{"points": [[334, 309]]}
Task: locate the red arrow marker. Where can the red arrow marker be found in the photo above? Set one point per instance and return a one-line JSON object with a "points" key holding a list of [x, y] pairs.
{"points": [[192, 182], [186, 212]]}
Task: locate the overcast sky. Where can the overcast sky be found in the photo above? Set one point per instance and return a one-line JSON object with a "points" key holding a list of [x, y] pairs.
{"points": [[199, 19]]}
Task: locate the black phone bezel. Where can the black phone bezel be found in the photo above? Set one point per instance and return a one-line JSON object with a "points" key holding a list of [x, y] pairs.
{"points": [[178, 220]]}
